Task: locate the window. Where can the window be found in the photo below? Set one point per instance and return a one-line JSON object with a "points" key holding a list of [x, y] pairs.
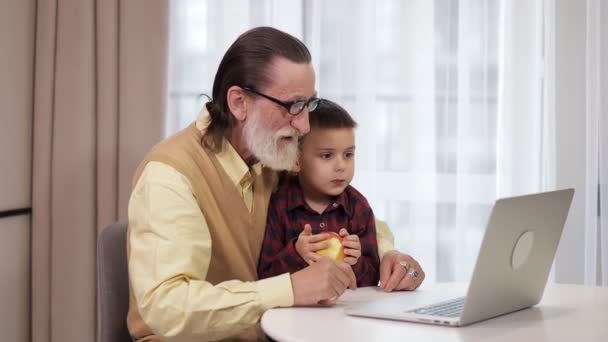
{"points": [[420, 77]]}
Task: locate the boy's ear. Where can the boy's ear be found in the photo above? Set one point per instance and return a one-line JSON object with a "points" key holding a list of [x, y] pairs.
{"points": [[237, 102]]}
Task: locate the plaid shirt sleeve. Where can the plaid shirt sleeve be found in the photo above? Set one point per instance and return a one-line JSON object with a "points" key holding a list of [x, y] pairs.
{"points": [[367, 268], [278, 254]]}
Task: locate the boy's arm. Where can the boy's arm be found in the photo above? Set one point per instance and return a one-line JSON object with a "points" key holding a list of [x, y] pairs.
{"points": [[367, 268], [277, 256]]}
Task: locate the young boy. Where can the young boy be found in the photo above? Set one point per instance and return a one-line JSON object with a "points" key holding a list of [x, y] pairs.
{"points": [[321, 200]]}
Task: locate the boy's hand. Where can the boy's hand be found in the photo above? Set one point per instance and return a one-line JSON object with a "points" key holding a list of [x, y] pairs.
{"points": [[307, 244], [352, 247]]}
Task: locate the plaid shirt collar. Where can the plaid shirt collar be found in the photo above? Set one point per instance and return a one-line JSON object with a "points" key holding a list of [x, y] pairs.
{"points": [[295, 199]]}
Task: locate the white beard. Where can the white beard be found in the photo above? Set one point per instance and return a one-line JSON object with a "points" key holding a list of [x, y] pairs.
{"points": [[263, 144]]}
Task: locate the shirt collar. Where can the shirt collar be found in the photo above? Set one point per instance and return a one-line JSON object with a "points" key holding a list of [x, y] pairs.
{"points": [[232, 163], [295, 198]]}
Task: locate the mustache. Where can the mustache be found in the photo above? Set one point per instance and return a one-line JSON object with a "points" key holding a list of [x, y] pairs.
{"points": [[288, 132]]}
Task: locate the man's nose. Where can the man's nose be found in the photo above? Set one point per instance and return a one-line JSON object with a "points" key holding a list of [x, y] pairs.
{"points": [[301, 123]]}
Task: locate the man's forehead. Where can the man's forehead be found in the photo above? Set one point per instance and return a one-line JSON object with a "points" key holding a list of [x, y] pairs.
{"points": [[290, 80]]}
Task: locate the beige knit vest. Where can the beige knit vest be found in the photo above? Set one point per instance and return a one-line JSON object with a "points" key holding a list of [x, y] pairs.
{"points": [[236, 233]]}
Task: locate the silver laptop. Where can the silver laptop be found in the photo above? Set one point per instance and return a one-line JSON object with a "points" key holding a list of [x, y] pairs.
{"points": [[512, 267]]}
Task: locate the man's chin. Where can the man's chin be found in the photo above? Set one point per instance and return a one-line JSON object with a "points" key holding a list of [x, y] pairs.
{"points": [[283, 156], [280, 163]]}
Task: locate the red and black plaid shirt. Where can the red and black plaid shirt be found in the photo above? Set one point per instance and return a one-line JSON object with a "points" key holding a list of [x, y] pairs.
{"points": [[287, 215]]}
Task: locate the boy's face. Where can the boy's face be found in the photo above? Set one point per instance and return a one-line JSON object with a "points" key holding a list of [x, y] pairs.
{"points": [[327, 161]]}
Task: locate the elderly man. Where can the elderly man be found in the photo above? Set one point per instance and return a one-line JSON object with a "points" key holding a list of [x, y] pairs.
{"points": [[198, 207]]}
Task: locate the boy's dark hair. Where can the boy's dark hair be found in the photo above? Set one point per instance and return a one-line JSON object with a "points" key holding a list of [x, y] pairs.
{"points": [[246, 64], [329, 114]]}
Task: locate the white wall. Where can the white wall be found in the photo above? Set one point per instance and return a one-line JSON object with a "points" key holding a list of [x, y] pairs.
{"points": [[571, 121], [570, 132], [17, 20]]}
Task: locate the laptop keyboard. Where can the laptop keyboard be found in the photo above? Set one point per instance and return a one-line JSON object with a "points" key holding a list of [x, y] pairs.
{"points": [[451, 308]]}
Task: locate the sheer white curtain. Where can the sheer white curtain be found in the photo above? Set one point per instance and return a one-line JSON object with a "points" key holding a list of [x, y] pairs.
{"points": [[524, 148], [421, 79], [454, 99]]}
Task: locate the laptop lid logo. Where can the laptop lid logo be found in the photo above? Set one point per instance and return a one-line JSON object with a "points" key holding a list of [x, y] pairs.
{"points": [[522, 249]]}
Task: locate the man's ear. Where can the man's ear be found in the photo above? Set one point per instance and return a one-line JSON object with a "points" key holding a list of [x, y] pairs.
{"points": [[237, 102]]}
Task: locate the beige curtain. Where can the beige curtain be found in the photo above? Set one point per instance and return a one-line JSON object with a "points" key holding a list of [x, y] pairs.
{"points": [[99, 103]]}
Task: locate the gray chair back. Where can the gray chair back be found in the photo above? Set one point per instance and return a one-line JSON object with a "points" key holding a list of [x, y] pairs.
{"points": [[112, 284]]}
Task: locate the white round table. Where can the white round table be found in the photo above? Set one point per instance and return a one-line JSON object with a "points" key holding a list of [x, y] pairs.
{"points": [[566, 313]]}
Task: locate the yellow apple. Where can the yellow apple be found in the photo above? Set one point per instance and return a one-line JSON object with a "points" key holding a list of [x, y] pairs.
{"points": [[335, 250]]}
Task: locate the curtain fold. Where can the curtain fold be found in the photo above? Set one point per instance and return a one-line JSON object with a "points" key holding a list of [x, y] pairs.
{"points": [[521, 119], [99, 104]]}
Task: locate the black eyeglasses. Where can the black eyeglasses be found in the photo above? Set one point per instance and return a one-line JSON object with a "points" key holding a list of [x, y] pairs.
{"points": [[293, 107]]}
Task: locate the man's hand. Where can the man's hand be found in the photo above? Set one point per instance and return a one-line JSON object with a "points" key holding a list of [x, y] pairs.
{"points": [[307, 244], [352, 247], [394, 275], [322, 282]]}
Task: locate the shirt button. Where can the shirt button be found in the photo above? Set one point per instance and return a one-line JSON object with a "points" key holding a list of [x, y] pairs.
{"points": [[322, 225], [335, 205]]}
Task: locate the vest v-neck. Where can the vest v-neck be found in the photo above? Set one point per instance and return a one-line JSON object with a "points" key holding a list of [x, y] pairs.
{"points": [[236, 232], [232, 190]]}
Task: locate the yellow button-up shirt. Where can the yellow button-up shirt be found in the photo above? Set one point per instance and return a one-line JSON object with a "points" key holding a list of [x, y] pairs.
{"points": [[161, 199]]}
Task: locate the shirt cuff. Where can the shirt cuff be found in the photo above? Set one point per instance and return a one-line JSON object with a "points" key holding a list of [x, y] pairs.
{"points": [[276, 291], [383, 248]]}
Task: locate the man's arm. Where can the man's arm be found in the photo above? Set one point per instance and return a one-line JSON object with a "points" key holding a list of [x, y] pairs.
{"points": [[393, 275], [169, 255], [386, 241], [170, 251]]}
